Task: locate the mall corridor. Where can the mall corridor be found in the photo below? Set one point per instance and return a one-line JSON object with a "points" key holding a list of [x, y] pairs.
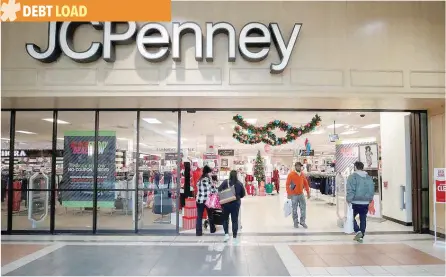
{"points": [[312, 255]]}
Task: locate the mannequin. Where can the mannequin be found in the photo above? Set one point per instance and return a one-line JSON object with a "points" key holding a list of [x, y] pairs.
{"points": [[249, 168]]}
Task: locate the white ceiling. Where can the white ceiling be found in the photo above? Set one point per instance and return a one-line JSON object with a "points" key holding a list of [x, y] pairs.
{"points": [[195, 128]]}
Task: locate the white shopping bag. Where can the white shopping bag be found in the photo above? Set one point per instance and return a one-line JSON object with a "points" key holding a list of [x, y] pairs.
{"points": [[348, 224], [287, 208]]}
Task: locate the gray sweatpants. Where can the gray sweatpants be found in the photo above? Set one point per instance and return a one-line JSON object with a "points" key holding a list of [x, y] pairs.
{"points": [[299, 201]]}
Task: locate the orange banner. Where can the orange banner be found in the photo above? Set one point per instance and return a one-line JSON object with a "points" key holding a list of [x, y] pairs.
{"points": [[85, 10]]}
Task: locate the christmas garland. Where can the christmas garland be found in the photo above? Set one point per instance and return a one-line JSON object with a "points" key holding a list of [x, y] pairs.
{"points": [[249, 134]]}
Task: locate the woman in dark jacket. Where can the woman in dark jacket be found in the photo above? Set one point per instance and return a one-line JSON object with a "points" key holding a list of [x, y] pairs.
{"points": [[232, 208]]}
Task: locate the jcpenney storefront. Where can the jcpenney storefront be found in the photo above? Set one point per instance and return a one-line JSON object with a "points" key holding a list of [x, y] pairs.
{"points": [[125, 100]]}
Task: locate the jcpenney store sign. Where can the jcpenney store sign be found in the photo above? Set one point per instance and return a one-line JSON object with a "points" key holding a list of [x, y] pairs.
{"points": [[155, 44]]}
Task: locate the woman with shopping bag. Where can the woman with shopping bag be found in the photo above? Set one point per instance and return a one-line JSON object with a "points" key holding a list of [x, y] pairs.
{"points": [[230, 192]]}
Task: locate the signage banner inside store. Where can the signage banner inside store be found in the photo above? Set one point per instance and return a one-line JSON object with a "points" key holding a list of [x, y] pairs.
{"points": [[305, 153], [155, 44], [226, 152], [78, 169], [32, 153]]}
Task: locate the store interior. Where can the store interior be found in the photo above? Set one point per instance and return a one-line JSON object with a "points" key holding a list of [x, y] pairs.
{"points": [[327, 143]]}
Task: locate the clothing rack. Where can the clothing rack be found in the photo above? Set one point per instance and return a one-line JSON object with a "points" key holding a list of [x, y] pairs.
{"points": [[314, 179]]}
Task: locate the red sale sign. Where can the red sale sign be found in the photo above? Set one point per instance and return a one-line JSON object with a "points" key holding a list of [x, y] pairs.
{"points": [[440, 185]]}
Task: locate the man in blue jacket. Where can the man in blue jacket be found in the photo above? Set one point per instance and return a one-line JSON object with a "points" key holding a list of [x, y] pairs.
{"points": [[360, 192]]}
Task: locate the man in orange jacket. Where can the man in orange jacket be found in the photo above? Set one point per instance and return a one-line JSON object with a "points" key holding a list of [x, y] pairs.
{"points": [[295, 184]]}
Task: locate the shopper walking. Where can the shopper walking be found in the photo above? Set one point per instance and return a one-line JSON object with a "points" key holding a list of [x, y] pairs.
{"points": [[360, 192], [295, 184], [205, 187], [232, 208]]}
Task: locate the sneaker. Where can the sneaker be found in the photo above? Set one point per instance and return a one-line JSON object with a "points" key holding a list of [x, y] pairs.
{"points": [[226, 239], [361, 240], [235, 241], [304, 225], [358, 236], [296, 225]]}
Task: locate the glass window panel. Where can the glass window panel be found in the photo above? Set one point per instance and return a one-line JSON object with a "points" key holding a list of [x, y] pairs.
{"points": [[75, 139], [158, 139], [6, 118], [32, 171], [117, 134]]}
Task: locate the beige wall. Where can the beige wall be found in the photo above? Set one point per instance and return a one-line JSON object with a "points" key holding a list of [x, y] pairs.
{"points": [[345, 50], [437, 153]]}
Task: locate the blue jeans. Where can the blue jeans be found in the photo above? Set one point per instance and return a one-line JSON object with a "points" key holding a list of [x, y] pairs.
{"points": [[362, 210], [232, 209]]}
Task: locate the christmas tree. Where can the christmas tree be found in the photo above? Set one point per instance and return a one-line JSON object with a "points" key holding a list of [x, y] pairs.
{"points": [[259, 170]]}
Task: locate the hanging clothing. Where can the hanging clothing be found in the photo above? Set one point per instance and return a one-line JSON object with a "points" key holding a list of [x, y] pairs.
{"points": [[276, 179]]}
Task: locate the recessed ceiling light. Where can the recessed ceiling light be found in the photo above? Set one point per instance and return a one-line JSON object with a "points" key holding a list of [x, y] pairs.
{"points": [[251, 120], [333, 125], [152, 120], [371, 126], [58, 121], [26, 132], [349, 133], [171, 132]]}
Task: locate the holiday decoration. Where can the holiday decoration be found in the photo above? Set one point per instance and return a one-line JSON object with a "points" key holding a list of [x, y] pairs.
{"points": [[259, 170], [249, 134], [308, 146]]}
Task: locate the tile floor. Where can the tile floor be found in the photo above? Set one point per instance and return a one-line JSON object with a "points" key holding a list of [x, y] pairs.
{"points": [[271, 210], [380, 255]]}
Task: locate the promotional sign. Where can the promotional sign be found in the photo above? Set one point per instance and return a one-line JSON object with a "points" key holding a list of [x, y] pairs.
{"points": [[350, 152], [440, 191], [32, 153], [171, 156], [78, 169], [440, 185], [226, 152]]}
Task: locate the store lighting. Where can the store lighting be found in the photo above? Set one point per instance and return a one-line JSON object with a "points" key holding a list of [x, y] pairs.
{"points": [[317, 132], [349, 133], [152, 120], [359, 140], [251, 120], [58, 121], [26, 132], [171, 132], [371, 126], [143, 144], [60, 138], [335, 126], [5, 139], [122, 139]]}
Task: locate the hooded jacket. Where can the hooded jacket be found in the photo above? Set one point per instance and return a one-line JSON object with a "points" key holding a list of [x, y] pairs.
{"points": [[360, 188]]}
